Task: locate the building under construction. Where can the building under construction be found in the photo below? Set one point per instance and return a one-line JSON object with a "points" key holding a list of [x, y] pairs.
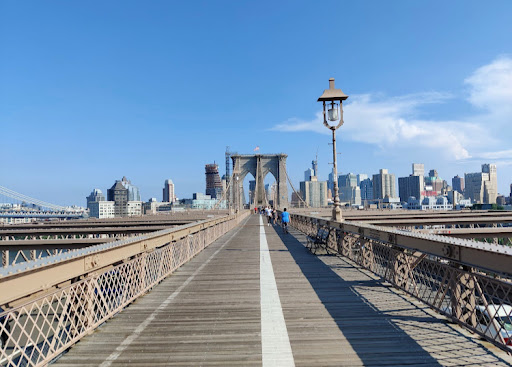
{"points": [[213, 182]]}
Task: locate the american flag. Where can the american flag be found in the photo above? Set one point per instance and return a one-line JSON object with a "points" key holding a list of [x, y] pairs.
{"points": [[256, 149]]}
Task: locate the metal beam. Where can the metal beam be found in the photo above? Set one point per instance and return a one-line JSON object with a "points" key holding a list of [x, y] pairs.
{"points": [[21, 280]]}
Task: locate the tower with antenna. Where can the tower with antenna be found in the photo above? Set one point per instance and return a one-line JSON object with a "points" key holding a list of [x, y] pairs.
{"points": [[314, 164], [228, 166]]}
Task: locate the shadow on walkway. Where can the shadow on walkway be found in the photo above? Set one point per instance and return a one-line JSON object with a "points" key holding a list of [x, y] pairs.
{"points": [[379, 338]]}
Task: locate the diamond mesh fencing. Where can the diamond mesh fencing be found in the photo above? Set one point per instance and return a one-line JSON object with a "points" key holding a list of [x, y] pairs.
{"points": [[36, 332], [477, 299]]}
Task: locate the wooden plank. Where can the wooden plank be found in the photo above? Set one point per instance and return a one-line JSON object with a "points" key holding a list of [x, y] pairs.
{"points": [[335, 313]]}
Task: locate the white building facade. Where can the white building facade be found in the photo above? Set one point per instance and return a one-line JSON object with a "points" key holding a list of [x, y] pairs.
{"points": [[102, 209]]}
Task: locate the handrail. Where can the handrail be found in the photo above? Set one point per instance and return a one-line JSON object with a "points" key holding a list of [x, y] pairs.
{"points": [[492, 257], [23, 279]]}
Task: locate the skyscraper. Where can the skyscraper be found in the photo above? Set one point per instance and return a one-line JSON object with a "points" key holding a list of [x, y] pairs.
{"points": [[168, 192], [126, 198], [96, 195], [308, 174], [133, 191], [458, 184], [414, 185], [213, 182], [434, 184], [366, 187], [119, 195], [384, 185], [350, 191], [482, 187], [361, 177], [311, 172], [314, 165], [314, 192], [410, 186], [418, 169], [491, 187], [98, 206], [330, 181]]}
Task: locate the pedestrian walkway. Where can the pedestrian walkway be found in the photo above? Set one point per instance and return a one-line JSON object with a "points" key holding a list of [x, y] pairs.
{"points": [[257, 297]]}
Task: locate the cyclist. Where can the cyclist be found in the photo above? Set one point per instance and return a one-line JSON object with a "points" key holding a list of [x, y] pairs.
{"points": [[285, 219]]}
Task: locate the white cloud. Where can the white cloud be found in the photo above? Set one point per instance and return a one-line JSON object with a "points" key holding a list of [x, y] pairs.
{"points": [[501, 154], [490, 87], [384, 124], [393, 122]]}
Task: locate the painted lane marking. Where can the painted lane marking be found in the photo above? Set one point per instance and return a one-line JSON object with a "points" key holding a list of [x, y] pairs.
{"points": [[129, 339], [275, 344]]}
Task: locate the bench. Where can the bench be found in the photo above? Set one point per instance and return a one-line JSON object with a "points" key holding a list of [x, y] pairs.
{"points": [[314, 243]]}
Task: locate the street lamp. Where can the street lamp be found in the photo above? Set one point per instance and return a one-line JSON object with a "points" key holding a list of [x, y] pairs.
{"points": [[333, 111]]}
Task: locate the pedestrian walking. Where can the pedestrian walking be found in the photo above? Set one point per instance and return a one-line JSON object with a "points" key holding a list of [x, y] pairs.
{"points": [[285, 219]]}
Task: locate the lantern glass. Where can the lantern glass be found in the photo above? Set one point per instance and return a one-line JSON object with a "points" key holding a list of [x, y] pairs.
{"points": [[332, 113]]}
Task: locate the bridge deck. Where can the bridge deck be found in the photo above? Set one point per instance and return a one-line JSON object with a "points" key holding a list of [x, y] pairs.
{"points": [[210, 313]]}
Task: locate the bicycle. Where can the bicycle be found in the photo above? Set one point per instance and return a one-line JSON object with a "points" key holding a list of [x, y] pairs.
{"points": [[285, 227]]}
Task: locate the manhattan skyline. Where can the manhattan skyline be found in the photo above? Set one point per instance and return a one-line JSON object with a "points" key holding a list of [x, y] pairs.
{"points": [[92, 92]]}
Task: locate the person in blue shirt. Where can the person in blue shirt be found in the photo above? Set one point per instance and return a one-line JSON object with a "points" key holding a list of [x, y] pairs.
{"points": [[285, 218]]}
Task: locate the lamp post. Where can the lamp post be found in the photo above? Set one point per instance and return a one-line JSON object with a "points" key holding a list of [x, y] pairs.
{"points": [[333, 111]]}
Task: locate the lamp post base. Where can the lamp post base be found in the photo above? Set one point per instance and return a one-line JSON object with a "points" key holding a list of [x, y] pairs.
{"points": [[336, 214]]}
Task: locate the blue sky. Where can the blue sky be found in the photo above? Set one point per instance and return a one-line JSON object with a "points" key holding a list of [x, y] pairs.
{"points": [[92, 91]]}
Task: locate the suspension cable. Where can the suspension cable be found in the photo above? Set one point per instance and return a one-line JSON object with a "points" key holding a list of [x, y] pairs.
{"points": [[295, 191], [17, 196], [225, 191]]}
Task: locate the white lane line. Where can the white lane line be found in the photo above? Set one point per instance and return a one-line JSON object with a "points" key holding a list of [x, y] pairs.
{"points": [[129, 339], [275, 344]]}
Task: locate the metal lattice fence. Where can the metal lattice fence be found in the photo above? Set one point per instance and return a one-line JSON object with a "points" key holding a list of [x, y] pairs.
{"points": [[476, 298], [34, 333]]}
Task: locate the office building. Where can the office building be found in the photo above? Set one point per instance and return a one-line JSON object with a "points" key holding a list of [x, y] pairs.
{"points": [[119, 195], [134, 208], [96, 195], [458, 184], [296, 201], [349, 190], [213, 182], [384, 185], [330, 182], [418, 169], [360, 178], [414, 185], [168, 192], [434, 184], [310, 172], [133, 193], [411, 186], [252, 191], [202, 201], [366, 187], [126, 198], [482, 187], [101, 209], [314, 192]]}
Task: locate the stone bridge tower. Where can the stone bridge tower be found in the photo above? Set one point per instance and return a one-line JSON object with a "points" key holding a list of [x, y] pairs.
{"points": [[259, 165]]}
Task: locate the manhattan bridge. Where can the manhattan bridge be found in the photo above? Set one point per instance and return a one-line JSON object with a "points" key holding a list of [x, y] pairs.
{"points": [[16, 207], [223, 287]]}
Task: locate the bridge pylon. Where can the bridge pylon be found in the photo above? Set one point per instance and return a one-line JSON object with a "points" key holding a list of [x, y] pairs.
{"points": [[259, 165]]}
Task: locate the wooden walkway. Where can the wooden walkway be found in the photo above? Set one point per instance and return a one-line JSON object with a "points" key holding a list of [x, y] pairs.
{"points": [[210, 312]]}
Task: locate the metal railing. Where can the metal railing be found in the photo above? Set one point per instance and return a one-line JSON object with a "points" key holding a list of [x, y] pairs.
{"points": [[54, 304], [468, 281]]}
